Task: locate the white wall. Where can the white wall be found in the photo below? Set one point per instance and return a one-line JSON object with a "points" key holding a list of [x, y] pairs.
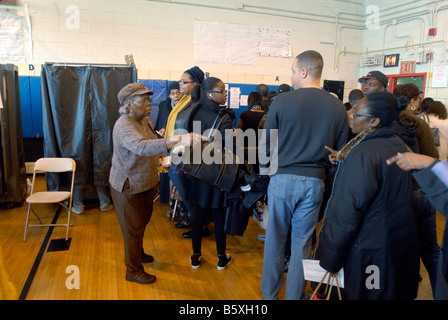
{"points": [[160, 35], [400, 37]]}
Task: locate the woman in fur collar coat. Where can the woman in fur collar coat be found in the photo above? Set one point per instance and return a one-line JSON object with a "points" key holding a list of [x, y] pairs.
{"points": [[368, 227]]}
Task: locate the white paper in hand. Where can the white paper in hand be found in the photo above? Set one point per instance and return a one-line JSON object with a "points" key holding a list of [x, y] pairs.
{"points": [[314, 272]]}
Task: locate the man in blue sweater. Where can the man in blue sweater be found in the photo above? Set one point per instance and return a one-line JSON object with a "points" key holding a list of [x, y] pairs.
{"points": [[306, 120]]}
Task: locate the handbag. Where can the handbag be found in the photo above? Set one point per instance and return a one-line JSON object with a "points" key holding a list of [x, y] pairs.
{"points": [[326, 295], [260, 214], [435, 132], [221, 175]]}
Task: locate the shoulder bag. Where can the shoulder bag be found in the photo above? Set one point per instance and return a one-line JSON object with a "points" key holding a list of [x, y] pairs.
{"points": [[221, 175], [435, 132]]}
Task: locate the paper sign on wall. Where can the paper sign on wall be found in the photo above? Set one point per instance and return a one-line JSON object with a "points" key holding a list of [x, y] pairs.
{"points": [[234, 98], [439, 76]]}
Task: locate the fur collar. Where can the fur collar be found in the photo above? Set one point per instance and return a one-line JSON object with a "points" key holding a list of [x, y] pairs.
{"points": [[351, 144]]}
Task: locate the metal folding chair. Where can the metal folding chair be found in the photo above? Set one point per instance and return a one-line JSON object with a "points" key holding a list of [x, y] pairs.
{"points": [[54, 165]]}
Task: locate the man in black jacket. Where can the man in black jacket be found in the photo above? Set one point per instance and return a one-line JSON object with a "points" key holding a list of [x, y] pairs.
{"points": [[306, 119]]}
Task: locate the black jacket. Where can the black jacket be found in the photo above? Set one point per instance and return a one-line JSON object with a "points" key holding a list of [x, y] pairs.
{"points": [[198, 192], [162, 117], [369, 222], [437, 192]]}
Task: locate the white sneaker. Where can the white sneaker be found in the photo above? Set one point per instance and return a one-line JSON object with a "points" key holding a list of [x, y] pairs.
{"points": [[109, 207], [77, 211]]}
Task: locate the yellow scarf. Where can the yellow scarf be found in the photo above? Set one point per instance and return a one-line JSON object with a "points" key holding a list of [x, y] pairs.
{"points": [[173, 115]]}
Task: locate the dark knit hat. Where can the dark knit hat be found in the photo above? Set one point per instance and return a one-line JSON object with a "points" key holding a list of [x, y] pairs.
{"points": [[132, 89], [173, 86], [196, 74]]}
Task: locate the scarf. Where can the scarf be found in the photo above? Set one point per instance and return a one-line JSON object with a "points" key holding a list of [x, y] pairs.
{"points": [[351, 144]]}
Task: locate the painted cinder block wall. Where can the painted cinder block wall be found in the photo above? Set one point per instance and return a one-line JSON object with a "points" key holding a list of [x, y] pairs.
{"points": [[160, 35]]}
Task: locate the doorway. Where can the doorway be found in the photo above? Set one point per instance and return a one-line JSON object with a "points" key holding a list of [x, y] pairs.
{"points": [[419, 79]]}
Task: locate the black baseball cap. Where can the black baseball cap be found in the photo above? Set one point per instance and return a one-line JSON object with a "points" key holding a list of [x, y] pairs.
{"points": [[377, 75]]}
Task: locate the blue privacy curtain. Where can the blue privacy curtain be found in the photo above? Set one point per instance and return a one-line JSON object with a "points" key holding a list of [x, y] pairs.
{"points": [[79, 110]]}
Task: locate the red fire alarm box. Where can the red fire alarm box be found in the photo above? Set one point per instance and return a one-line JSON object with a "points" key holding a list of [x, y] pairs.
{"points": [[432, 31]]}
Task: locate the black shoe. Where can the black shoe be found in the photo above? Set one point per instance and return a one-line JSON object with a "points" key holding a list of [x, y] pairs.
{"points": [[187, 235], [142, 278], [182, 226], [224, 260], [146, 258], [195, 260]]}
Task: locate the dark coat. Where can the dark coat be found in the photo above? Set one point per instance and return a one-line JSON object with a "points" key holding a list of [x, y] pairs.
{"points": [[369, 222], [437, 192], [415, 132], [198, 192], [162, 117]]}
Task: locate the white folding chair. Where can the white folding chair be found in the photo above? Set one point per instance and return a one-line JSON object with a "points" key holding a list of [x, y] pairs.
{"points": [[54, 165]]}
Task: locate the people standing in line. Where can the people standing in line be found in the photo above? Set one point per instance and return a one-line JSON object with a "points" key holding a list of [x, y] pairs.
{"points": [[369, 219], [374, 81], [417, 135], [134, 174], [354, 97], [103, 197], [305, 119], [432, 177], [206, 199], [283, 88], [189, 79], [424, 106], [165, 107], [264, 91], [436, 117]]}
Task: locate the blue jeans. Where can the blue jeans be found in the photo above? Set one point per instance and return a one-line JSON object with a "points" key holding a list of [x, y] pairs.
{"points": [[425, 216], [78, 197], [180, 181], [292, 201]]}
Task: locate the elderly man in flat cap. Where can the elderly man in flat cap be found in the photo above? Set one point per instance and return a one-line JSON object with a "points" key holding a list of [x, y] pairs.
{"points": [[133, 175]]}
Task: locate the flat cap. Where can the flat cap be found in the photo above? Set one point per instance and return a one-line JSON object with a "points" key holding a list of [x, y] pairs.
{"points": [[131, 90]]}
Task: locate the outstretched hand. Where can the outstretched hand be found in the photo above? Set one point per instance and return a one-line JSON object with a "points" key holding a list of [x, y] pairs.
{"points": [[409, 161]]}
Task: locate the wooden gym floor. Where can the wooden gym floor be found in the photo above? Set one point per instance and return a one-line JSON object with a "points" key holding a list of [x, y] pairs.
{"points": [[96, 248]]}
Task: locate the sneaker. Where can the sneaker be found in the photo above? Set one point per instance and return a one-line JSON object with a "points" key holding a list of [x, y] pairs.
{"points": [[77, 210], [109, 207], [223, 261], [195, 260]]}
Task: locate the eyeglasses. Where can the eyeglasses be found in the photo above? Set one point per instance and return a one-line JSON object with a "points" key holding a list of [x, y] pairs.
{"points": [[218, 91], [141, 100], [185, 82], [355, 115]]}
